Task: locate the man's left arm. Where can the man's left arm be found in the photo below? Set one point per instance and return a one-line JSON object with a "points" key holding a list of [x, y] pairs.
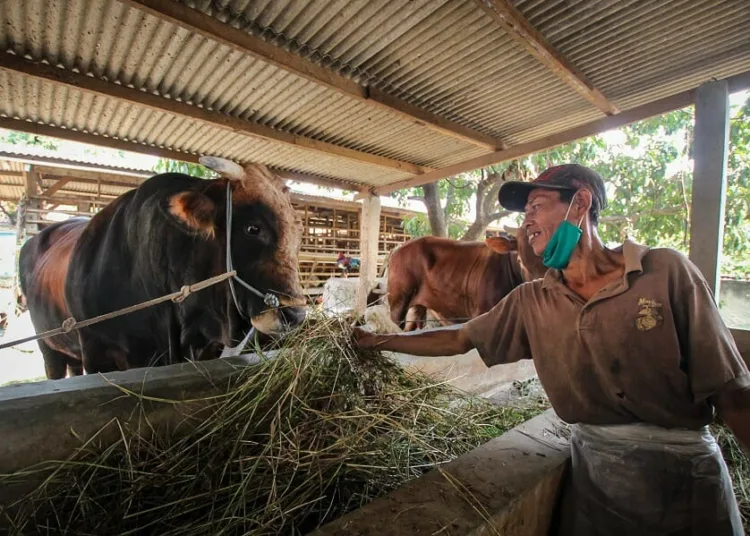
{"points": [[734, 409], [716, 370]]}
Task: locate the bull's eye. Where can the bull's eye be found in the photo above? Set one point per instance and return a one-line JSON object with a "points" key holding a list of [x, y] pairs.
{"points": [[252, 230]]}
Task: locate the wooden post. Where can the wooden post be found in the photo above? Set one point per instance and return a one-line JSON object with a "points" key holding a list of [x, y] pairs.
{"points": [[30, 178], [709, 179], [369, 225]]}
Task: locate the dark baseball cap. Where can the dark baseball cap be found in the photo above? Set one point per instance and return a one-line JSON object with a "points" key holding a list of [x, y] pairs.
{"points": [[571, 177]]}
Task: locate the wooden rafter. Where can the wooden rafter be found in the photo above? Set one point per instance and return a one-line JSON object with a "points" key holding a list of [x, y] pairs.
{"points": [[736, 83], [51, 171], [10, 62], [52, 190], [212, 28], [517, 27], [137, 147]]}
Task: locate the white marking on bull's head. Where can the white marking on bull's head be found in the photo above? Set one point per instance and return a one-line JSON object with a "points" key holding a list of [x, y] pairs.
{"points": [[222, 166]]}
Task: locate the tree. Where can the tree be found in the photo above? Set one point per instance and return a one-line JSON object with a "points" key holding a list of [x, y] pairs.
{"points": [[15, 137], [447, 202], [10, 210], [165, 165], [649, 177]]}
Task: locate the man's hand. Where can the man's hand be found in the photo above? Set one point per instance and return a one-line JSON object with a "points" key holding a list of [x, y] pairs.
{"points": [[366, 339], [427, 343]]}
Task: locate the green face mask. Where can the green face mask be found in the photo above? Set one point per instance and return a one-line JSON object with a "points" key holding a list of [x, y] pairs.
{"points": [[563, 243]]}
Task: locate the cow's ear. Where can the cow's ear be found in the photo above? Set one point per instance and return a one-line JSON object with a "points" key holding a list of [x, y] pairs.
{"points": [[501, 244], [196, 211]]}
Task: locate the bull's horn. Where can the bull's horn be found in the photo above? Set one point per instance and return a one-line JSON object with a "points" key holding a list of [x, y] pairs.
{"points": [[227, 168]]}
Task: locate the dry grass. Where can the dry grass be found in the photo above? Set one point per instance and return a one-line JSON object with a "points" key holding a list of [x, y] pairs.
{"points": [[295, 442], [739, 468]]}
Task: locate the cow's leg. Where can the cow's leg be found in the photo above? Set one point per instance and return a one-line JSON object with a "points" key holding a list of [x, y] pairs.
{"points": [[398, 302], [415, 318], [55, 363], [438, 317]]}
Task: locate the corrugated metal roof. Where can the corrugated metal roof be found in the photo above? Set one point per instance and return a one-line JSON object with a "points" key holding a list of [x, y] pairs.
{"points": [[447, 57], [33, 153], [629, 48], [12, 185]]}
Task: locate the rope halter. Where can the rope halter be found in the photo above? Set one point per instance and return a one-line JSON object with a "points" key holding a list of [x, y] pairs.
{"points": [[271, 300]]}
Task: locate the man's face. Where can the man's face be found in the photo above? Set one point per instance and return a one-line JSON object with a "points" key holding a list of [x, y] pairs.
{"points": [[543, 213]]}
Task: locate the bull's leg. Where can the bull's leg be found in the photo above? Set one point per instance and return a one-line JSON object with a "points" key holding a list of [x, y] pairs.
{"points": [[101, 357], [55, 363], [175, 345], [75, 367], [212, 350]]}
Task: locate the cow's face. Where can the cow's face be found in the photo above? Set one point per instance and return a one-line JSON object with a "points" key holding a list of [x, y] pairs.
{"points": [[531, 265], [266, 235]]}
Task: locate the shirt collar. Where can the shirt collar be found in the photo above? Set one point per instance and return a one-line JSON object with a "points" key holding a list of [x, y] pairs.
{"points": [[632, 252]]}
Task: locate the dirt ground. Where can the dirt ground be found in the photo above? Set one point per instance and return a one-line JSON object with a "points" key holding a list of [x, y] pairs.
{"points": [[21, 363]]}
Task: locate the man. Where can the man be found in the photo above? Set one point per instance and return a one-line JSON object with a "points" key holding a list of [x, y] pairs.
{"points": [[630, 348]]}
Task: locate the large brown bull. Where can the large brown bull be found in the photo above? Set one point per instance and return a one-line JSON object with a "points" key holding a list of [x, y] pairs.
{"points": [[169, 232], [454, 280]]}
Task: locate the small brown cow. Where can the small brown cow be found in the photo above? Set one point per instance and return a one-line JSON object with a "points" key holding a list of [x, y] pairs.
{"points": [[456, 281]]}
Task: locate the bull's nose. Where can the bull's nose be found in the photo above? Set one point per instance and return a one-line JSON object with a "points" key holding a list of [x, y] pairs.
{"points": [[293, 316]]}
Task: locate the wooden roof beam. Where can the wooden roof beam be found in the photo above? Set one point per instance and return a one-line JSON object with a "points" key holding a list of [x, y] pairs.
{"points": [[52, 190], [137, 147], [736, 83], [197, 22], [44, 71], [517, 27]]}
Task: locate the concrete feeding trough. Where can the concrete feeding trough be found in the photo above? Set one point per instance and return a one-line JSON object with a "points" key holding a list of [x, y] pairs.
{"points": [[511, 486], [511, 481]]}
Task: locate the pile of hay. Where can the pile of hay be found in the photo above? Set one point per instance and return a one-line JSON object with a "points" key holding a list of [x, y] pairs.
{"points": [[739, 468], [296, 441]]}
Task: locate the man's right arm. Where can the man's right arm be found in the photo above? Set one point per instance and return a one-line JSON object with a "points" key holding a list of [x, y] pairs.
{"points": [[430, 343]]}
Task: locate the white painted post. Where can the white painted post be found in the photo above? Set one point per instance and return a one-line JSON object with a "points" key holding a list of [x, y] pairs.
{"points": [[369, 231], [709, 180]]}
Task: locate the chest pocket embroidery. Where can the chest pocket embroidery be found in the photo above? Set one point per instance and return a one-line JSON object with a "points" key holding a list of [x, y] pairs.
{"points": [[649, 314]]}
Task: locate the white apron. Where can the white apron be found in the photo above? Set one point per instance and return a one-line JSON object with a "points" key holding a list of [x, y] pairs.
{"points": [[644, 480]]}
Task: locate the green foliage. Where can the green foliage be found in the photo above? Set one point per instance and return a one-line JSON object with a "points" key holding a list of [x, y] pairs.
{"points": [[165, 165], [646, 202], [419, 225], [649, 177], [15, 137], [737, 214]]}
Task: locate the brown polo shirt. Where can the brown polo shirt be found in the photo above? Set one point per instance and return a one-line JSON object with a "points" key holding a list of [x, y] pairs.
{"points": [[650, 347]]}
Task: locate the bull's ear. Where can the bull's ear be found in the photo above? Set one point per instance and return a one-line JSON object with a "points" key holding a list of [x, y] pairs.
{"points": [[501, 244], [196, 211]]}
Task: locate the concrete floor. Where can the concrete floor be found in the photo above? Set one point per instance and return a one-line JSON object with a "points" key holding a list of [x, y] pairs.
{"points": [[21, 363]]}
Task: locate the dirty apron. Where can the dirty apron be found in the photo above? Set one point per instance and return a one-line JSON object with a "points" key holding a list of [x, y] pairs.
{"points": [[644, 480]]}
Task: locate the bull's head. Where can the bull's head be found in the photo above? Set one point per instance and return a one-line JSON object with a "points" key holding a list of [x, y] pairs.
{"points": [[265, 238], [531, 265]]}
